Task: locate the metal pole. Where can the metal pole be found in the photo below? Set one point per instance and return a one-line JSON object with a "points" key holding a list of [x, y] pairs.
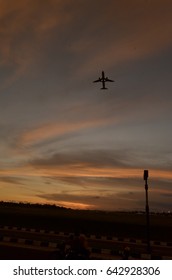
{"points": [[147, 211]]}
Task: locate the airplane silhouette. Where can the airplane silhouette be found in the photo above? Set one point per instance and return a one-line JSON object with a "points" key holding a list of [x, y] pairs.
{"points": [[103, 80]]}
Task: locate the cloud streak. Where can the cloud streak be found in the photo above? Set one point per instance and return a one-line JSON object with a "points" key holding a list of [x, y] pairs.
{"points": [[52, 130], [137, 31], [11, 180], [20, 49]]}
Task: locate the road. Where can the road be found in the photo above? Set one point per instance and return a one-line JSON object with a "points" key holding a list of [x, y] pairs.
{"points": [[29, 244], [18, 252]]}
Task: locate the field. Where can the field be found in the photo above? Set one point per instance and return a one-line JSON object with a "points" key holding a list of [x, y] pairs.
{"points": [[120, 224]]}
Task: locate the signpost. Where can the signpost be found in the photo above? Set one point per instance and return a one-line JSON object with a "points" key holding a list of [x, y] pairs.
{"points": [[145, 177]]}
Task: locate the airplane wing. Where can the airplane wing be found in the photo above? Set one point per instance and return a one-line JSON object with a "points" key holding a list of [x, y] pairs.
{"points": [[108, 80], [96, 81]]}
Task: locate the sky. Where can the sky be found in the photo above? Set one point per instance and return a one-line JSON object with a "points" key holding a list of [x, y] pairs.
{"points": [[65, 141]]}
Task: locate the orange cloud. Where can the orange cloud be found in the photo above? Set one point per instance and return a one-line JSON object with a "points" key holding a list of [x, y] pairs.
{"points": [[74, 170], [48, 131], [73, 205], [96, 195]]}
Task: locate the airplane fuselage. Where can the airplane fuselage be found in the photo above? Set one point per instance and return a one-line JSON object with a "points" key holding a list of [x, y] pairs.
{"points": [[103, 80]]}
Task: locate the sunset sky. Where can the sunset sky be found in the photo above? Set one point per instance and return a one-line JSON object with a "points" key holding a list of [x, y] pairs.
{"points": [[65, 141]]}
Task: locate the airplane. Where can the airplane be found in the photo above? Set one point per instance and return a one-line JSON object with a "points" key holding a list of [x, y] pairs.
{"points": [[103, 79]]}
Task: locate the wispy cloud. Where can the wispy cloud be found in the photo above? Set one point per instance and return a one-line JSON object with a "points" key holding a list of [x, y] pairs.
{"points": [[12, 180], [51, 130], [106, 202], [25, 26], [88, 158], [99, 163], [135, 31], [123, 193]]}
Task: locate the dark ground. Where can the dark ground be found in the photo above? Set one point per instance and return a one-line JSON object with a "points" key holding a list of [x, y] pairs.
{"points": [[118, 224]]}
